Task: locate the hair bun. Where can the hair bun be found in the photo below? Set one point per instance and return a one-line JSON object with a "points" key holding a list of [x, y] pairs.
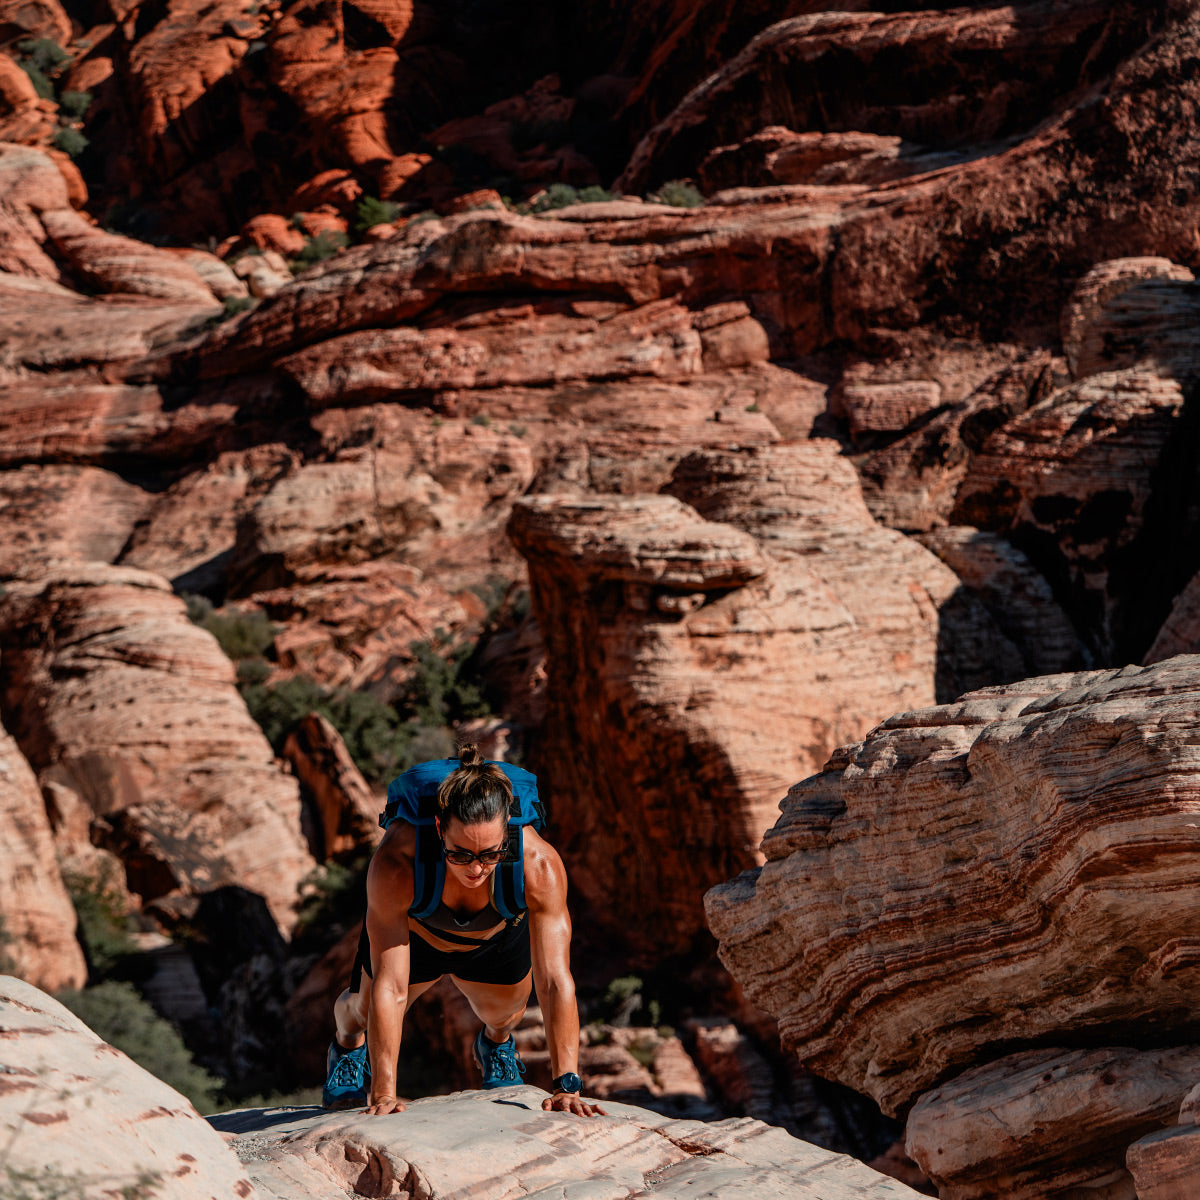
{"points": [[469, 756]]}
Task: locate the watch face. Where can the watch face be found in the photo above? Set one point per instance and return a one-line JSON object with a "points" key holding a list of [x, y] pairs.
{"points": [[570, 1082]]}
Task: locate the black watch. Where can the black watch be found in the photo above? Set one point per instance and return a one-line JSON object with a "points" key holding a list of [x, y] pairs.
{"points": [[568, 1081]]}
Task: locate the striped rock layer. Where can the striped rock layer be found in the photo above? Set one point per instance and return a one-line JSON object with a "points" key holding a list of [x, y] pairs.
{"points": [[1016, 869]]}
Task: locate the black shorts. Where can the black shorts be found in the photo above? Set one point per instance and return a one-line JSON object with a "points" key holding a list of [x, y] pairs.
{"points": [[503, 959]]}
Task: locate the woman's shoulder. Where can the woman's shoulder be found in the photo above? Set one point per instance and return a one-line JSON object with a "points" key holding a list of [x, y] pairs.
{"points": [[545, 875]]}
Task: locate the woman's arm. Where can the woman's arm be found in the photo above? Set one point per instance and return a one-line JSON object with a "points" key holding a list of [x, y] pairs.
{"points": [[550, 949]]}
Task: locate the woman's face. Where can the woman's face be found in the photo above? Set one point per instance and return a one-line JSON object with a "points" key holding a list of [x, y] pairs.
{"points": [[457, 838]]}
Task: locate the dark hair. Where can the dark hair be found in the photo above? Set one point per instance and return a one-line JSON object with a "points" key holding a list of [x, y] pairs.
{"points": [[477, 792]]}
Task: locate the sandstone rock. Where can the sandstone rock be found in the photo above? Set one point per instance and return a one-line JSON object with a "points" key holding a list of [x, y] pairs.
{"points": [[61, 512], [188, 535], [682, 631], [37, 922], [502, 1145], [786, 75], [415, 500], [354, 626], [776, 155], [872, 408], [82, 1119], [1165, 1165], [1047, 1122], [988, 873], [111, 263], [1180, 632], [114, 692], [1131, 312], [348, 811], [1078, 476], [1016, 596]]}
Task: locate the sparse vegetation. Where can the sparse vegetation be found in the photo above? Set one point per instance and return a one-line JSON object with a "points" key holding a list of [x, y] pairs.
{"points": [[116, 1012], [70, 141], [43, 60], [481, 419], [319, 247], [74, 105], [103, 922], [236, 305], [240, 634], [679, 193], [371, 211], [563, 195]]}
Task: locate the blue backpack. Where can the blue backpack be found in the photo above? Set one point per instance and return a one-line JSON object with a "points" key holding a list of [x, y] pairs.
{"points": [[412, 798]]}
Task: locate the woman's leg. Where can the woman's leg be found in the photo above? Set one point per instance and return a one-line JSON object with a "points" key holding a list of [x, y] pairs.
{"points": [[500, 1006], [351, 1008]]}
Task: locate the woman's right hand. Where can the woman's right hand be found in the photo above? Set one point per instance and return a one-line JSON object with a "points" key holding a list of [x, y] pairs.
{"points": [[382, 1105]]}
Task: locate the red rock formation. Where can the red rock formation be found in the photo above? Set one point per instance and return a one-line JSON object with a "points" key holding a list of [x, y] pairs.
{"points": [[838, 71], [978, 878], [111, 691], [348, 812], [37, 922], [679, 633]]}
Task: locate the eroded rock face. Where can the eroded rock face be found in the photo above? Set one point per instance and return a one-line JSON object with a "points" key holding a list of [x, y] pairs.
{"points": [[80, 1116], [981, 876], [114, 693], [38, 939], [670, 633]]}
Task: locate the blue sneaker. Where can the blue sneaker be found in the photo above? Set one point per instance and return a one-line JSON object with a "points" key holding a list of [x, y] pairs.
{"points": [[501, 1065], [348, 1074]]}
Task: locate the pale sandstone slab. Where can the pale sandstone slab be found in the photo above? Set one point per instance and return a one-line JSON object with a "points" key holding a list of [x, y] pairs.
{"points": [[500, 1145], [1001, 870], [34, 907], [77, 1114], [1042, 1122], [120, 697]]}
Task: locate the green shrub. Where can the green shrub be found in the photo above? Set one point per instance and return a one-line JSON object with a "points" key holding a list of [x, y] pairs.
{"points": [[481, 419], [74, 105], [43, 60], [318, 248], [563, 195], [236, 305], [679, 193], [371, 211], [103, 922], [70, 141], [240, 634], [117, 1013], [442, 688], [334, 899]]}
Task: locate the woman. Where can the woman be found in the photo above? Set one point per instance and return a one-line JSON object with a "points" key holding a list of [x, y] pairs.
{"points": [[494, 962]]}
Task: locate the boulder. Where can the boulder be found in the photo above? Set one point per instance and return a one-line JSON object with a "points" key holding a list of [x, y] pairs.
{"points": [[1049, 1122], [81, 1119], [1000, 873], [111, 690], [500, 1144]]}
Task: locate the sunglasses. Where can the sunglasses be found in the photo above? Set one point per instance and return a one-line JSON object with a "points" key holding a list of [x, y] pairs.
{"points": [[464, 858]]}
